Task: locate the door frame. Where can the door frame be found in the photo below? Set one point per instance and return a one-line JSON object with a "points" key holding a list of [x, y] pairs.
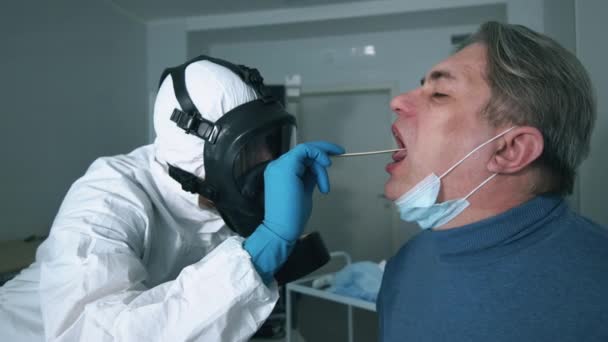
{"points": [[390, 87]]}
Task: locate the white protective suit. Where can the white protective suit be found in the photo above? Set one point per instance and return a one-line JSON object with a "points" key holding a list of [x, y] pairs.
{"points": [[132, 257]]}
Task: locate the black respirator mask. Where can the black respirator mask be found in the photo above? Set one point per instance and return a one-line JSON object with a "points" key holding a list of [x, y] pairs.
{"points": [[238, 147]]}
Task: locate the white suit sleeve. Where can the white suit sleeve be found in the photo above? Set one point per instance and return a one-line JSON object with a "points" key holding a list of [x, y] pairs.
{"points": [[92, 281]]}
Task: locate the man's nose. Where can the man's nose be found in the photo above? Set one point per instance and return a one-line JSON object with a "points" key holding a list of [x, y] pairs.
{"points": [[403, 104]]}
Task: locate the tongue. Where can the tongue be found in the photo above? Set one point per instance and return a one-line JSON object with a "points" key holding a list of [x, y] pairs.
{"points": [[400, 155]]}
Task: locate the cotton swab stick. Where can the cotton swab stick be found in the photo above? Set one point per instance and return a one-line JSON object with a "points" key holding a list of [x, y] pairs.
{"points": [[356, 154]]}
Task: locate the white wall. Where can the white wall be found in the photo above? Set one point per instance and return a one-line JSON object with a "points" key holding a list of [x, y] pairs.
{"points": [[166, 46], [593, 52], [559, 20], [332, 52], [73, 88]]}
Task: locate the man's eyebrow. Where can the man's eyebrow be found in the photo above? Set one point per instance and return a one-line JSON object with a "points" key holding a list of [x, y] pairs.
{"points": [[438, 74]]}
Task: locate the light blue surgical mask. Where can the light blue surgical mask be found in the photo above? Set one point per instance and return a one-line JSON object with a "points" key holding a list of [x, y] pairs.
{"points": [[420, 205]]}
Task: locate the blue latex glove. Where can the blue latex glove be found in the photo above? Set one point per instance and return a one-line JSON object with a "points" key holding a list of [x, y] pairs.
{"points": [[288, 185]]}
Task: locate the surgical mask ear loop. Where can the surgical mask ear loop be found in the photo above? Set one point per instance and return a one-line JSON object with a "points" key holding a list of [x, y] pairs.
{"points": [[480, 185], [475, 150]]}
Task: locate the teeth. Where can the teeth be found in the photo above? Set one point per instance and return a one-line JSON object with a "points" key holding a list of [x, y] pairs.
{"points": [[399, 155], [400, 143]]}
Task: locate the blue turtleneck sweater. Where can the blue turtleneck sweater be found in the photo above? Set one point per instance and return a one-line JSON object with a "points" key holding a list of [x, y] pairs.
{"points": [[538, 272]]}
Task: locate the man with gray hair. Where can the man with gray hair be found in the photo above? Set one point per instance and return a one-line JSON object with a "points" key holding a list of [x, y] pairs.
{"points": [[493, 138]]}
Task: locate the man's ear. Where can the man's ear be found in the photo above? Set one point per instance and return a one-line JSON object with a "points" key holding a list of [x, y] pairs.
{"points": [[518, 148]]}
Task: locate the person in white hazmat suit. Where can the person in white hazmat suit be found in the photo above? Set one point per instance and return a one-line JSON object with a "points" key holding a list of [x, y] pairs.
{"points": [[131, 256]]}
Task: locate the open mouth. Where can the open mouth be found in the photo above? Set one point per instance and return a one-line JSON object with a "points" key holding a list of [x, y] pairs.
{"points": [[399, 155]]}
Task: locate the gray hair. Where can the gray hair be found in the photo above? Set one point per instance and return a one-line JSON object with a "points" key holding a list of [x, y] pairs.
{"points": [[536, 82]]}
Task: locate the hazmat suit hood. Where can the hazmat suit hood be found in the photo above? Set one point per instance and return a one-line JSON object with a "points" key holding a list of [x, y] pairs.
{"points": [[214, 90]]}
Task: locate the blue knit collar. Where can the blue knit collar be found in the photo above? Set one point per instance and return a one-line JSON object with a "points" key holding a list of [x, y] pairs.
{"points": [[503, 229]]}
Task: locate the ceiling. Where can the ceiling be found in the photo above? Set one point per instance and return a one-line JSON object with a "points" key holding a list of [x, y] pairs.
{"points": [[162, 9]]}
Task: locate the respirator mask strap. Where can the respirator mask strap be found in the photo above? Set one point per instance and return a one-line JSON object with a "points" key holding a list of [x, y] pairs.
{"points": [[193, 184]]}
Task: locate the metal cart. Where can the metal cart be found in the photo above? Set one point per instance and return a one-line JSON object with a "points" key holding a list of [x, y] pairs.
{"points": [[304, 286]]}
